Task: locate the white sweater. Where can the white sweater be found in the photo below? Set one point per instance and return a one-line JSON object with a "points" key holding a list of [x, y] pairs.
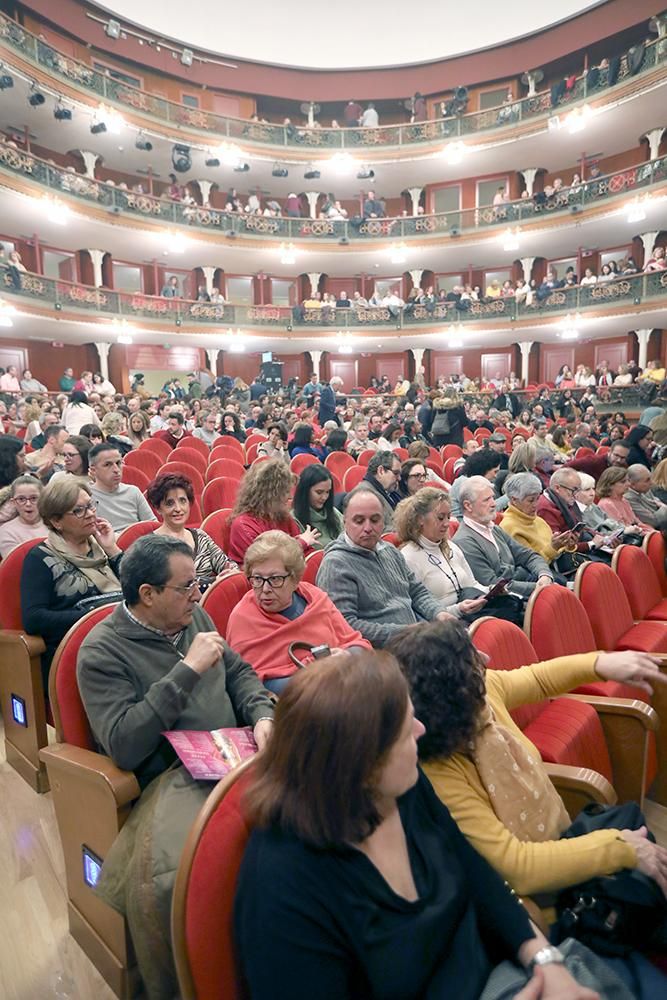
{"points": [[438, 574]]}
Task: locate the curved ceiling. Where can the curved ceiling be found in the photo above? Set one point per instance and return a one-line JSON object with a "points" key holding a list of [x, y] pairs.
{"points": [[348, 35]]}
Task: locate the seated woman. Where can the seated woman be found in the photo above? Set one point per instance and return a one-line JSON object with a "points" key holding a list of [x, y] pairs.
{"points": [[421, 450], [73, 571], [390, 438], [521, 521], [366, 883], [24, 494], [302, 442], [138, 427], [230, 426], [171, 495], [275, 445], [313, 504], [562, 440], [640, 442], [75, 456], [489, 775], [281, 609], [422, 525], [413, 477], [263, 504], [611, 489], [591, 514]]}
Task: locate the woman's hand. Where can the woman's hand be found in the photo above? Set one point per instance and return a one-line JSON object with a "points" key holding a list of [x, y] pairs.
{"points": [[554, 982], [310, 536], [639, 669], [562, 539], [471, 605], [105, 535], [651, 858], [262, 732]]}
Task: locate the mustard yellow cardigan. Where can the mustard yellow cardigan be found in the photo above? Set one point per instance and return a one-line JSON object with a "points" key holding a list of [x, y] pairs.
{"points": [[533, 532], [527, 867]]}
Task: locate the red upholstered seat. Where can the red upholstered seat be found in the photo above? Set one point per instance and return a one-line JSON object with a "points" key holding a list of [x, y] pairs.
{"points": [[203, 907], [161, 448], [70, 717], [227, 451], [353, 477], [448, 469], [364, 457], [134, 531], [190, 457], [10, 585], [219, 493], [135, 477], [635, 571], [338, 462], [251, 453], [603, 596], [299, 462], [176, 467], [313, 563], [654, 547], [195, 444], [390, 536], [220, 600], [226, 468], [451, 451], [227, 441], [217, 526], [146, 461]]}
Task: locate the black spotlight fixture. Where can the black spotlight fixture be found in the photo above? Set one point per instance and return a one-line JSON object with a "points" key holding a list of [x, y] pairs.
{"points": [[97, 128], [6, 81], [36, 99], [242, 168], [62, 114], [365, 174], [212, 161], [141, 142], [279, 170], [311, 174], [180, 159]]}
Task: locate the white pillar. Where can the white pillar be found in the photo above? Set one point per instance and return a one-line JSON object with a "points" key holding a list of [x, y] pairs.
{"points": [[658, 25], [416, 276], [654, 137], [529, 175], [415, 195], [89, 162], [527, 265], [103, 353], [208, 273], [532, 82], [314, 279], [312, 197], [205, 189], [315, 357], [525, 347], [643, 338], [97, 256], [213, 353], [418, 355], [648, 242]]}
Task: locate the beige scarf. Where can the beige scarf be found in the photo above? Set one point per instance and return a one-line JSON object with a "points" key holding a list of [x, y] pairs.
{"points": [[521, 794], [94, 566]]}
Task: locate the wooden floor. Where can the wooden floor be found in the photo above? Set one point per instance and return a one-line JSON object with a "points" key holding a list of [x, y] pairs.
{"points": [[38, 958]]}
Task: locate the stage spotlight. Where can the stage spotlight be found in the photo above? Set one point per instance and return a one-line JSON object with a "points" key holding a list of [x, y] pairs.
{"points": [[6, 81], [212, 161], [279, 170], [36, 99], [62, 114], [143, 143], [311, 174], [97, 128], [242, 168], [180, 159], [365, 174]]}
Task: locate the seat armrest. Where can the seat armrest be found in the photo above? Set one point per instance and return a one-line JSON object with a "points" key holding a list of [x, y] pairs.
{"points": [[582, 782], [33, 643], [92, 767]]}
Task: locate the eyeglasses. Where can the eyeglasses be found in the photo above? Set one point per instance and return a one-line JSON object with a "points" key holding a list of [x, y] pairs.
{"points": [[21, 501], [188, 589], [417, 475], [274, 582], [82, 509], [570, 489]]}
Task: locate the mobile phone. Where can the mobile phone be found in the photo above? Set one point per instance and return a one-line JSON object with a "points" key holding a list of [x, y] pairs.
{"points": [[320, 652], [579, 526], [498, 588], [92, 866]]}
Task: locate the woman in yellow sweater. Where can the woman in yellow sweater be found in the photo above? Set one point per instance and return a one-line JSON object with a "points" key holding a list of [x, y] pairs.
{"points": [[490, 776], [520, 520]]}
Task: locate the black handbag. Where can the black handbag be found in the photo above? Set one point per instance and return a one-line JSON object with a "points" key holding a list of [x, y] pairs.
{"points": [[612, 914]]}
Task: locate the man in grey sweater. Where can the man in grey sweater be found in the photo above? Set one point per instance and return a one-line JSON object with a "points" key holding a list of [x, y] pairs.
{"points": [[368, 580], [645, 505], [122, 504], [492, 553]]}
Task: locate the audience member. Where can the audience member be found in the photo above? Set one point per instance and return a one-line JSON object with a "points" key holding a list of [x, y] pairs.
{"points": [[78, 412], [646, 506], [382, 476], [174, 431], [611, 489], [639, 442], [49, 458], [523, 523], [121, 504], [24, 494], [558, 507], [313, 505], [595, 465]]}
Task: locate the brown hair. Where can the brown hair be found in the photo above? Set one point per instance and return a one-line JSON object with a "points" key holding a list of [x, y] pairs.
{"points": [[609, 478], [164, 483], [334, 725]]}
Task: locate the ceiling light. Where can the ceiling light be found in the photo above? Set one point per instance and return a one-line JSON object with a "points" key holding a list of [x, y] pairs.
{"points": [[56, 211], [226, 153], [112, 121], [569, 329], [636, 210], [181, 160], [398, 253], [112, 29], [510, 239], [343, 162], [454, 152], [235, 344], [176, 242], [344, 342], [577, 119], [287, 253], [455, 337], [6, 313]]}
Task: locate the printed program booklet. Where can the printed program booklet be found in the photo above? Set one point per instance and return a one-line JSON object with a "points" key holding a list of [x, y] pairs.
{"points": [[209, 756]]}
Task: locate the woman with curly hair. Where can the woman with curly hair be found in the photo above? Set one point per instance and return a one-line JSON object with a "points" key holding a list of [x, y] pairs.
{"points": [[230, 426], [263, 504], [171, 495]]}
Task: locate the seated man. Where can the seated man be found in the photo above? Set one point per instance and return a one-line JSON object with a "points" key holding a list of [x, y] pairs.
{"points": [[174, 431], [49, 458], [594, 465], [645, 505], [157, 663], [368, 579], [559, 508], [492, 553], [482, 463], [382, 475], [120, 503]]}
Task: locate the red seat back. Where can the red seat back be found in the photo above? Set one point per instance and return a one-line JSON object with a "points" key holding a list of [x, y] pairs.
{"points": [[364, 457], [227, 441], [654, 547], [448, 469], [185, 469], [450, 451], [353, 477], [196, 444], [224, 467], [158, 446], [134, 531], [602, 595], [69, 715], [251, 453], [226, 451], [10, 585], [203, 906], [135, 477], [313, 563], [147, 462], [217, 526], [220, 600], [299, 462], [507, 648], [635, 571], [338, 462], [557, 624], [219, 493], [189, 456], [391, 537]]}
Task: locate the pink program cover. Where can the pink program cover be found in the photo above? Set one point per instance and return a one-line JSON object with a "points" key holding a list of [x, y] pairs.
{"points": [[209, 756]]}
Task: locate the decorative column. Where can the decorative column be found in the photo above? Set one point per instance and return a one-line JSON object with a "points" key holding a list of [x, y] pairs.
{"points": [[529, 174], [208, 273], [314, 279], [213, 353], [525, 347], [643, 338], [103, 354], [205, 189], [415, 195], [648, 242], [654, 137], [312, 197], [418, 355], [89, 162], [527, 265], [97, 256], [416, 276], [532, 78], [315, 357]]}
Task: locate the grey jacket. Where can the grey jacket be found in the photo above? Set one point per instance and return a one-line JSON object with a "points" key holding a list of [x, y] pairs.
{"points": [[134, 685], [647, 508], [374, 590], [511, 559]]}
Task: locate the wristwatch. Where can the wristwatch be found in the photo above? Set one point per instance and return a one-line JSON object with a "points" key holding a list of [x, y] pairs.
{"points": [[546, 956]]}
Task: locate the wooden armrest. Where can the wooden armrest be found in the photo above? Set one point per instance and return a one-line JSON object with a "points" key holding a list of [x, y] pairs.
{"points": [[94, 768], [535, 914], [632, 708], [33, 643], [581, 781]]}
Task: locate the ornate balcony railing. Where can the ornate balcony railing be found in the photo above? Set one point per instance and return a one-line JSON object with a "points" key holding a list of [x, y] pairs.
{"points": [[84, 77], [65, 181], [63, 295]]}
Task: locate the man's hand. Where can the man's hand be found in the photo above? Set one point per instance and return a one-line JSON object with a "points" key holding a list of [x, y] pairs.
{"points": [[444, 616], [205, 651], [554, 982], [543, 581], [651, 858], [639, 669], [262, 732]]}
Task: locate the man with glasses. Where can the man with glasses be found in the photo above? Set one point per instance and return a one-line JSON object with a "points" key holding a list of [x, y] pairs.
{"points": [[157, 663], [594, 465], [559, 508], [24, 492], [382, 477]]}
